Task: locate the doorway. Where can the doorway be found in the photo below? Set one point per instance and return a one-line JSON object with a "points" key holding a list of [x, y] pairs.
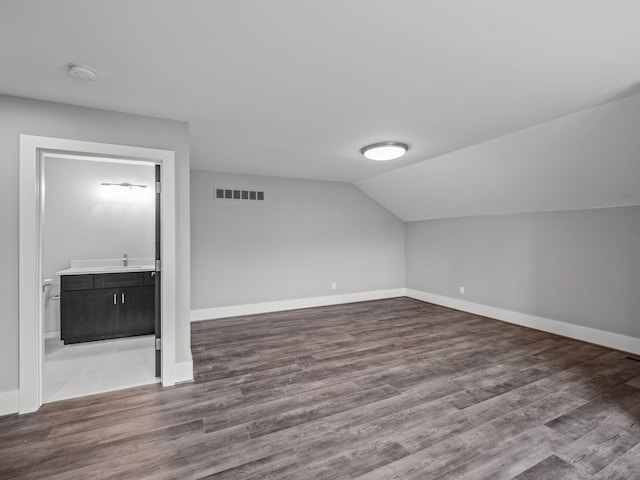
{"points": [[98, 224], [33, 153]]}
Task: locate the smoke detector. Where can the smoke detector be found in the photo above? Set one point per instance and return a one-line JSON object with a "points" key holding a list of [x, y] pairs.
{"points": [[82, 72]]}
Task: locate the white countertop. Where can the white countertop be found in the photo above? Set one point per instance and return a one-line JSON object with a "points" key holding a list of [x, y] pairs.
{"points": [[107, 269]]}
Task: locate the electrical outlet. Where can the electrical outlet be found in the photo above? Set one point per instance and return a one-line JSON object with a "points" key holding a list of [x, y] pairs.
{"points": [[462, 290], [333, 286]]}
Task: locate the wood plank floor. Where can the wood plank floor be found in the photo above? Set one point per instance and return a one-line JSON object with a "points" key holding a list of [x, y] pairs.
{"points": [[389, 389]]}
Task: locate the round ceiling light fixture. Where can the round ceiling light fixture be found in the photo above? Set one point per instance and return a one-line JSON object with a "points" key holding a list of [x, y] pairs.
{"points": [[384, 151], [82, 72]]}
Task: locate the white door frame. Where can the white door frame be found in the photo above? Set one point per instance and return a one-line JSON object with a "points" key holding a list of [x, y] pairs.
{"points": [[33, 149]]}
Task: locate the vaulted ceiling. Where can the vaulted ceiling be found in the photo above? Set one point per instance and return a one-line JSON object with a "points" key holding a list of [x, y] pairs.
{"points": [[296, 87]]}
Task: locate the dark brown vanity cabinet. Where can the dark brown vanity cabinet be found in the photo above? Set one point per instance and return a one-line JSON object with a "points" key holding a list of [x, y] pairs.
{"points": [[106, 305]]}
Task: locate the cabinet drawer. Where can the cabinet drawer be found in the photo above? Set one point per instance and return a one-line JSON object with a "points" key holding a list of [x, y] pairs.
{"points": [[109, 280], [76, 282]]}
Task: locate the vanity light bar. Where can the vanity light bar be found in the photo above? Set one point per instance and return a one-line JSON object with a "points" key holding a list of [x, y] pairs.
{"points": [[126, 185]]}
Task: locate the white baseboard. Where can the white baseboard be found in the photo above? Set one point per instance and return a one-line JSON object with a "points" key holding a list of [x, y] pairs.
{"points": [[55, 334], [9, 402], [578, 332], [279, 306], [184, 372]]}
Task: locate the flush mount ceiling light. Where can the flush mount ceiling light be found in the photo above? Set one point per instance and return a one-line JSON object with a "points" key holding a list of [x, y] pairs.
{"points": [[82, 72], [384, 151]]}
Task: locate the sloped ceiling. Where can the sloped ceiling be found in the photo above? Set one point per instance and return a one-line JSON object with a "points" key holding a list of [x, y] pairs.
{"points": [[590, 159], [295, 88]]}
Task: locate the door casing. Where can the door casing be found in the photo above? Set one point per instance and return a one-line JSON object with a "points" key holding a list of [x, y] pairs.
{"points": [[33, 152]]}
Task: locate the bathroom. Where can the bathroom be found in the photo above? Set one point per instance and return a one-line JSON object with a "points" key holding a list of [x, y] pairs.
{"points": [[99, 218]]}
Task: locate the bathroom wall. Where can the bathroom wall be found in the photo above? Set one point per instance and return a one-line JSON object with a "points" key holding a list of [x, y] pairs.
{"points": [[84, 220]]}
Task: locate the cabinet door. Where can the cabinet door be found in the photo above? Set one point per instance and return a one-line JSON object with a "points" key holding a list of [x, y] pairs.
{"points": [[137, 310], [88, 315]]}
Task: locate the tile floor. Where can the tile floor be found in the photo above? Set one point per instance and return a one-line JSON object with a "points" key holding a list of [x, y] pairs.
{"points": [[95, 367]]}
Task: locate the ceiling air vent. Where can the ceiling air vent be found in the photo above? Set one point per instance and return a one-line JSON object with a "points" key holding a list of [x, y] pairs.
{"points": [[232, 194]]}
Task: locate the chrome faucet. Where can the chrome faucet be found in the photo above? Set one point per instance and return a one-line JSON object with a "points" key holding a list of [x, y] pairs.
{"points": [[125, 260]]}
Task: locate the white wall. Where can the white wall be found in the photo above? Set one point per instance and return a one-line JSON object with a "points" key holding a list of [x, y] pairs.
{"points": [[294, 244], [32, 117], [84, 221], [580, 267]]}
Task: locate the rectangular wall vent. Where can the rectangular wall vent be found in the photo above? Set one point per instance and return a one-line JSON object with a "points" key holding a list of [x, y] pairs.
{"points": [[231, 194]]}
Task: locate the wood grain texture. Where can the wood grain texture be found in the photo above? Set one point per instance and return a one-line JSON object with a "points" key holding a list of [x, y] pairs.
{"points": [[388, 389]]}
